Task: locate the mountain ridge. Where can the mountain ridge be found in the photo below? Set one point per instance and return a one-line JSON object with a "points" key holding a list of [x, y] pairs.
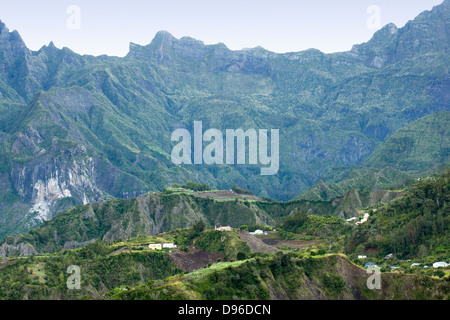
{"points": [[335, 110]]}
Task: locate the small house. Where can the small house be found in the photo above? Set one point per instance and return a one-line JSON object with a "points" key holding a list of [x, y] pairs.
{"points": [[155, 246], [169, 245], [362, 256], [394, 267], [415, 265], [368, 264], [226, 228], [440, 264]]}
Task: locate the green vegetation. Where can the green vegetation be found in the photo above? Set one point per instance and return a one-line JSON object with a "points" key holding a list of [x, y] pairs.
{"points": [[45, 277], [361, 132], [366, 119], [416, 224], [282, 276], [225, 242], [411, 226], [241, 191]]}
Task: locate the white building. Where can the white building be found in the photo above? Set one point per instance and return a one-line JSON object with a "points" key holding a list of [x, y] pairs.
{"points": [[227, 228], [169, 245], [257, 232], [440, 264], [364, 219], [155, 246], [362, 256]]}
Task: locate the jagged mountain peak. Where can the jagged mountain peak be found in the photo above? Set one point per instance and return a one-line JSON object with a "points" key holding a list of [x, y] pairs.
{"points": [[7, 37], [2, 26], [164, 35], [428, 32]]}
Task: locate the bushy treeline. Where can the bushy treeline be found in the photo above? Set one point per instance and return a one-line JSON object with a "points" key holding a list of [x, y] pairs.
{"points": [[299, 222], [241, 190]]}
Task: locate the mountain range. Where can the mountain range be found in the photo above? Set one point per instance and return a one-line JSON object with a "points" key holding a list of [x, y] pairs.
{"points": [[78, 129]]}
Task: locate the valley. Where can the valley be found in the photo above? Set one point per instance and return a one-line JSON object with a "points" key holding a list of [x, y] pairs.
{"points": [[303, 256], [190, 171]]}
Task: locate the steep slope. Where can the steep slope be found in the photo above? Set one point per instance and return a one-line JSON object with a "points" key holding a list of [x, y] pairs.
{"points": [[416, 224], [162, 212], [102, 268], [426, 33], [130, 271], [76, 129], [418, 149], [285, 277], [367, 180], [123, 219]]}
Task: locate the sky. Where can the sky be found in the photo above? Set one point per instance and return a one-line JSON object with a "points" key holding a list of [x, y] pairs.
{"points": [[99, 27]]}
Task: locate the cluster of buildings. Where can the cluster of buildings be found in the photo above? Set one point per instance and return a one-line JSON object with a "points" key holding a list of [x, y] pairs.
{"points": [[440, 264], [228, 228], [160, 246]]}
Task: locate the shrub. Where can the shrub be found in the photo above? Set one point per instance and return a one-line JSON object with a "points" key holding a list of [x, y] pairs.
{"points": [[240, 190], [241, 255], [439, 273]]}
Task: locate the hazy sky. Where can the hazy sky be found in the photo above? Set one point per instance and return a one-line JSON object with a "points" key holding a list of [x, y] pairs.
{"points": [[108, 26]]}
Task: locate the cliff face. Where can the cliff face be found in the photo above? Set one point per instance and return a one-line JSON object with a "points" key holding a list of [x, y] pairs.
{"points": [[21, 250], [47, 180], [350, 204], [391, 45]]}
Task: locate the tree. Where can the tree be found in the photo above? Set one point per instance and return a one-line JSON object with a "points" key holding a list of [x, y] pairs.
{"points": [[241, 191], [194, 186], [241, 255], [295, 221], [199, 226], [439, 273]]}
